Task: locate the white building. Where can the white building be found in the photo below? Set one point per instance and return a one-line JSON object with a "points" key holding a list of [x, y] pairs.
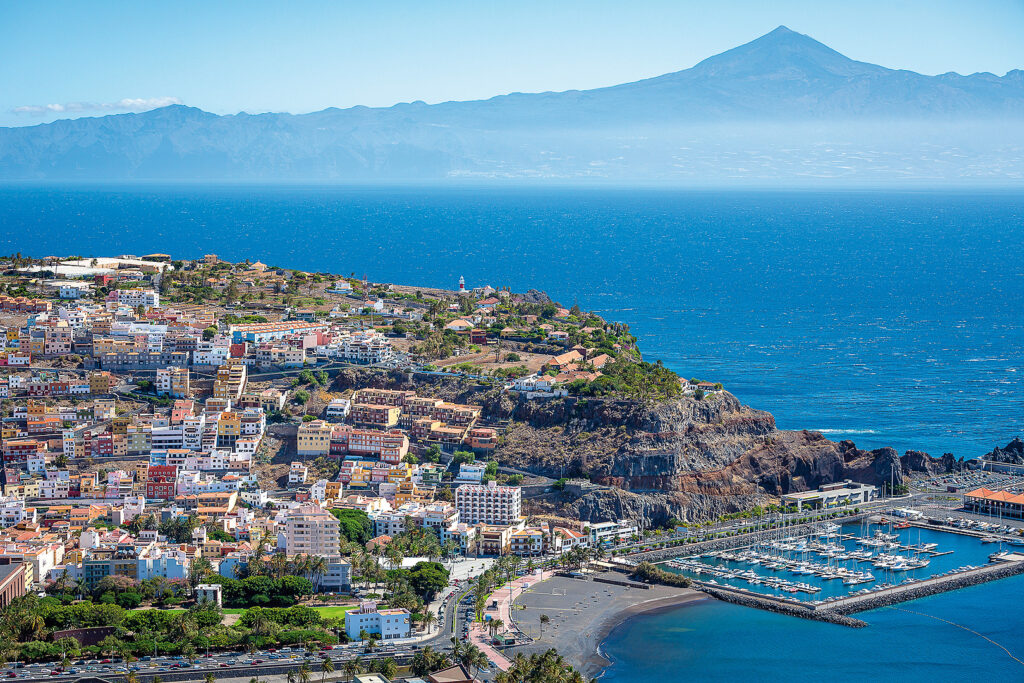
{"points": [[338, 409], [386, 624], [471, 473], [832, 495], [135, 297], [489, 504], [297, 474], [310, 530], [600, 533], [536, 386]]}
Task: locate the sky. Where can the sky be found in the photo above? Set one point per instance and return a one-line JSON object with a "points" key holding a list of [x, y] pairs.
{"points": [[70, 59]]}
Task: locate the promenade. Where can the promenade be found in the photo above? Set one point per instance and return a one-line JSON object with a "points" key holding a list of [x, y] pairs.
{"points": [[505, 597]]}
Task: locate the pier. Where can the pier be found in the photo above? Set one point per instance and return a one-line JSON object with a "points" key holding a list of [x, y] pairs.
{"points": [[837, 610], [841, 552]]}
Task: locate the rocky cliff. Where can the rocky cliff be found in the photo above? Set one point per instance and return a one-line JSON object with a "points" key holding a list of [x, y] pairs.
{"points": [[1013, 453], [685, 458], [682, 458]]}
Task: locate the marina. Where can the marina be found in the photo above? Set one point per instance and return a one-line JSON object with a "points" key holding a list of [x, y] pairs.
{"points": [[824, 565]]}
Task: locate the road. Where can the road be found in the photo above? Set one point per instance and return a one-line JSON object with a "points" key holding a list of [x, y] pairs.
{"points": [[239, 669]]}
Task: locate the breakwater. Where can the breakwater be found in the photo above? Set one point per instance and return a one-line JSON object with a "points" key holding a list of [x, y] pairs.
{"points": [[837, 611], [791, 608], [920, 589]]}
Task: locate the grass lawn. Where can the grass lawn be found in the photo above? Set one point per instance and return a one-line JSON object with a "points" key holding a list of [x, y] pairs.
{"points": [[334, 610], [234, 610]]}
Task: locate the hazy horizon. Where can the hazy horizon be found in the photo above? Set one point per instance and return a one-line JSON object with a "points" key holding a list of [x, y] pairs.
{"points": [[68, 60]]}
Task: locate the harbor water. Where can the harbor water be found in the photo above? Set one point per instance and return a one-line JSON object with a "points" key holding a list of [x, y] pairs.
{"points": [[818, 567]]}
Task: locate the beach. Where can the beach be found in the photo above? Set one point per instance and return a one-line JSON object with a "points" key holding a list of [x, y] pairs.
{"points": [[582, 613]]}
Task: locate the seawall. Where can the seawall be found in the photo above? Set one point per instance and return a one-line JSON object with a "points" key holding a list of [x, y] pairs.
{"points": [[940, 584]]}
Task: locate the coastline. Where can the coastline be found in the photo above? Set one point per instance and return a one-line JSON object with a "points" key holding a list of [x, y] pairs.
{"points": [[596, 664], [581, 614]]}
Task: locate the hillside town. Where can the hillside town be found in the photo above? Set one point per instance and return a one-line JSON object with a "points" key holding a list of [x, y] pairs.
{"points": [[173, 434]]}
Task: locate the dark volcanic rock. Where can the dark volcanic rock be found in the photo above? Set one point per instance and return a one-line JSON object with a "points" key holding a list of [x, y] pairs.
{"points": [[1013, 453], [918, 461]]}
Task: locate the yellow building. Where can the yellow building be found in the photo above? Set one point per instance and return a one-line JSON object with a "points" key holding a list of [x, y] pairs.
{"points": [[314, 438], [230, 382]]}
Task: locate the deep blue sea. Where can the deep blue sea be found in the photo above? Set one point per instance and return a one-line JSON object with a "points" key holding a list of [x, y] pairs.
{"points": [[887, 318], [715, 641]]}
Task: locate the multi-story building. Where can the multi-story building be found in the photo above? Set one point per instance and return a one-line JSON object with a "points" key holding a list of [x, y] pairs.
{"points": [[338, 409], [384, 397], [297, 474], [375, 415], [390, 446], [387, 624], [528, 542], [161, 482], [311, 530], [230, 382], [173, 382], [488, 503], [101, 382], [314, 438], [20, 450], [135, 297]]}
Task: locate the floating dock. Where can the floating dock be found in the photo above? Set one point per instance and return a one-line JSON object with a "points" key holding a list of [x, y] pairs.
{"points": [[837, 610]]}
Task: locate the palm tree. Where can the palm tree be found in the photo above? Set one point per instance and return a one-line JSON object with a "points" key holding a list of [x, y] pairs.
{"points": [[326, 667], [429, 619], [318, 568], [279, 565], [473, 657], [351, 667], [305, 673], [260, 623], [544, 619], [291, 676], [209, 677]]}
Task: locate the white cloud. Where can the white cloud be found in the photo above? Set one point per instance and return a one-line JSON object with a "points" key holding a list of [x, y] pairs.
{"points": [[135, 104]]}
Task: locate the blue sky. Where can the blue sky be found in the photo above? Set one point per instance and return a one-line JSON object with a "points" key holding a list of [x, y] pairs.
{"points": [[66, 59]]}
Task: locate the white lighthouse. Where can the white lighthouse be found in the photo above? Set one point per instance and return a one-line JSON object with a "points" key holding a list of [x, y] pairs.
{"points": [[462, 285]]}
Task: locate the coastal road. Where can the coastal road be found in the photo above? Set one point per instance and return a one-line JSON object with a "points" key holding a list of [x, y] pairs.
{"points": [[242, 670]]}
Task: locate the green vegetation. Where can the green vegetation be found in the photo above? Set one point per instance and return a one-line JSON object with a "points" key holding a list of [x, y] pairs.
{"points": [[639, 380], [356, 526], [649, 573], [460, 457]]}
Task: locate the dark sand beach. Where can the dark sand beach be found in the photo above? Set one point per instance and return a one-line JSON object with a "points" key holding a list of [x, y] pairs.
{"points": [[582, 613]]}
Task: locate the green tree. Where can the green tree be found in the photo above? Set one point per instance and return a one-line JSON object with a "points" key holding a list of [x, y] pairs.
{"points": [[356, 526]]}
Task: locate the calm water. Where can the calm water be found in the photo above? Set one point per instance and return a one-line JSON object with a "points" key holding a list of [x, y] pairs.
{"points": [[715, 641], [956, 551], [890, 319]]}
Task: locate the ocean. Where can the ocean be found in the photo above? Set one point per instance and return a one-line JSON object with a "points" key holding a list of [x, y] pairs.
{"points": [[891, 319], [882, 317], [922, 641]]}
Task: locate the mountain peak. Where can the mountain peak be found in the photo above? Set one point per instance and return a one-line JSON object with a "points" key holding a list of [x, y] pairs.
{"points": [[782, 53]]}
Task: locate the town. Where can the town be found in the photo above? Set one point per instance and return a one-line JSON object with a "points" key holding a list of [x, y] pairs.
{"points": [[173, 435], [257, 471]]}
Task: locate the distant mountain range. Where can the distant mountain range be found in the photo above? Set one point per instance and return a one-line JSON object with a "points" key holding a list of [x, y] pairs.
{"points": [[783, 108]]}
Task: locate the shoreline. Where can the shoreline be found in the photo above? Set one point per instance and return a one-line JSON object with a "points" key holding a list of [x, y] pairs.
{"points": [[655, 605], [581, 614]]}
